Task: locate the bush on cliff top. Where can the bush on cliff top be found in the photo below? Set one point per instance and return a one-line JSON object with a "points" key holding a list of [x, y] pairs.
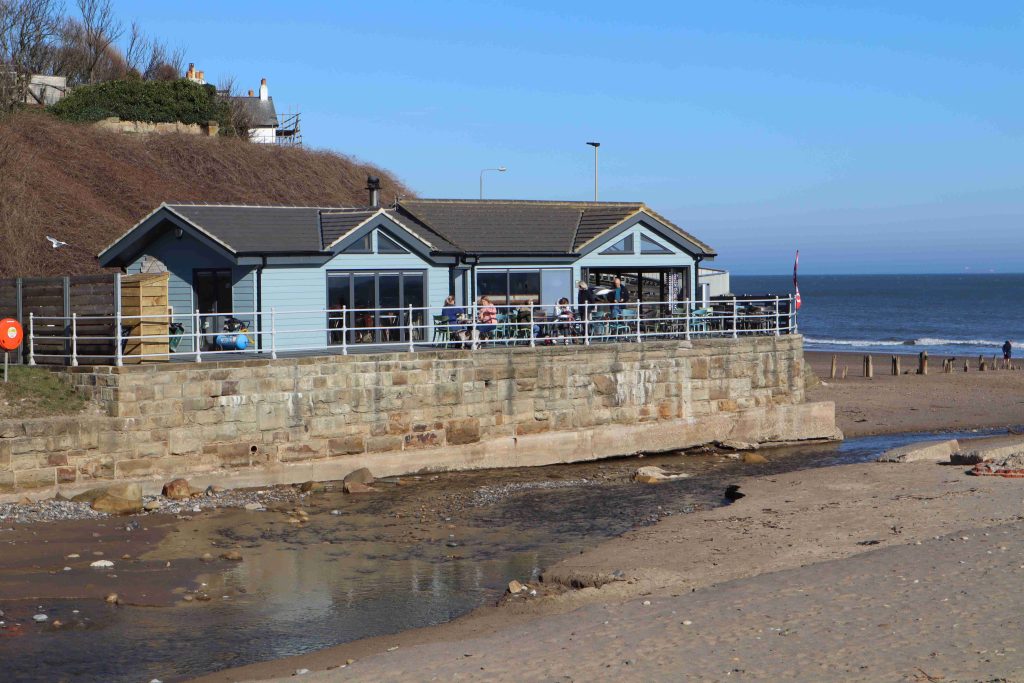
{"points": [[150, 101]]}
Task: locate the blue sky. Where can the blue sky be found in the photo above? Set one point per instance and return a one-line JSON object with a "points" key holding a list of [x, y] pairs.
{"points": [[873, 136]]}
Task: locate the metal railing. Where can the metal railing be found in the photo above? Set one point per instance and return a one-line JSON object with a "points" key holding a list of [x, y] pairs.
{"points": [[195, 336]]}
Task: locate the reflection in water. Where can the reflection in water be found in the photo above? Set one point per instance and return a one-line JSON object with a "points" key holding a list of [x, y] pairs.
{"points": [[409, 557]]}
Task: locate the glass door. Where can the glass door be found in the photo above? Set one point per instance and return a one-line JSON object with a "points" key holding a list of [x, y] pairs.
{"points": [[378, 305]]}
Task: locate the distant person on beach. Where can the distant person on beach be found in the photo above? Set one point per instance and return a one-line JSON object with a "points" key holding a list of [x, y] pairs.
{"points": [[1007, 352]]}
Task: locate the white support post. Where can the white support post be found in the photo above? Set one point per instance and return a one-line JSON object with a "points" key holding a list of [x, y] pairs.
{"points": [[74, 340], [735, 319], [792, 314], [639, 311], [196, 329], [777, 322], [273, 333], [474, 339], [118, 351], [344, 330], [411, 347], [686, 321], [31, 338], [533, 337], [586, 323]]}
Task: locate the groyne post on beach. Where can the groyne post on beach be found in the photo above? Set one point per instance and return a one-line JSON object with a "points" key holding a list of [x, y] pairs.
{"points": [[966, 365], [869, 370], [895, 365], [922, 363], [832, 373], [981, 364]]}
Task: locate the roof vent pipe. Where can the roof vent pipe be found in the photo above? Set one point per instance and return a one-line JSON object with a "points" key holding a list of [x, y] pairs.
{"points": [[373, 185]]}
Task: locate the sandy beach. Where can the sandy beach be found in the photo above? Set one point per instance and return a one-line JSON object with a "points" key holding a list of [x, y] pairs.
{"points": [[860, 572]]}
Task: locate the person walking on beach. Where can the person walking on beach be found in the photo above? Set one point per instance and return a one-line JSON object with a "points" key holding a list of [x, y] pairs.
{"points": [[1007, 353]]}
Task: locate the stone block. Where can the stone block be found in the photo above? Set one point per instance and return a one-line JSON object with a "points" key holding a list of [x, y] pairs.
{"points": [[35, 478], [346, 445], [428, 439], [312, 450], [184, 440], [380, 444], [922, 451], [463, 430]]}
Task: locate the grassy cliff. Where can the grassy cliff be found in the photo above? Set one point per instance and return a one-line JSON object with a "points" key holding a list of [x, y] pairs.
{"points": [[86, 187]]}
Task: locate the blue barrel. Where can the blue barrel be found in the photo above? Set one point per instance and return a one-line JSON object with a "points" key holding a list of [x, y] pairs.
{"points": [[229, 342]]}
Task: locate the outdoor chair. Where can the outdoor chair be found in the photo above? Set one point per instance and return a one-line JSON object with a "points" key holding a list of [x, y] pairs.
{"points": [[442, 330]]}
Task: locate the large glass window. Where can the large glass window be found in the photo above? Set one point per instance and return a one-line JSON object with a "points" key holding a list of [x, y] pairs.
{"points": [[377, 305], [509, 287], [623, 246], [649, 246]]}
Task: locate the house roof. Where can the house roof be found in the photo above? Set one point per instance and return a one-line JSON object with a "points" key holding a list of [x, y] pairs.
{"points": [[256, 229], [261, 112], [443, 226], [527, 227]]}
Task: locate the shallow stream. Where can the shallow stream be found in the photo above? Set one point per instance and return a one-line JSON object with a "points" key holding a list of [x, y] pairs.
{"points": [[410, 556]]}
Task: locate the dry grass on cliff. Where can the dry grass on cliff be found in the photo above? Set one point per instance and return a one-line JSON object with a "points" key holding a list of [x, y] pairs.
{"points": [[86, 187]]}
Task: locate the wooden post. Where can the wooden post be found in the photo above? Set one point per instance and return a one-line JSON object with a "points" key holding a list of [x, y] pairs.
{"points": [[922, 363], [966, 365], [895, 365], [869, 371], [982, 365], [846, 368], [832, 373]]}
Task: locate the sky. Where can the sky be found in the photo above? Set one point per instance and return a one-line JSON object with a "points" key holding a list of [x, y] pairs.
{"points": [[876, 137]]}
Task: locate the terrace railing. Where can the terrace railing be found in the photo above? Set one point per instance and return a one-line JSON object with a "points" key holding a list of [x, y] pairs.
{"points": [[200, 336]]}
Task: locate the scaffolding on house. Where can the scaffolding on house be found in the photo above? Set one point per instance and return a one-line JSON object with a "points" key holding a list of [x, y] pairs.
{"points": [[288, 132]]}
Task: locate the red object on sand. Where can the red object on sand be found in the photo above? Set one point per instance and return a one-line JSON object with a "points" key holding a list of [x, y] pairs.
{"points": [[11, 334], [987, 470]]}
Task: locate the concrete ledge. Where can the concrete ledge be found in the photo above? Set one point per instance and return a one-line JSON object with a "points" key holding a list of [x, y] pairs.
{"points": [[922, 451]]}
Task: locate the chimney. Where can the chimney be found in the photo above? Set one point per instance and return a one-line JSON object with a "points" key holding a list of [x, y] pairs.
{"points": [[201, 77], [373, 185], [264, 95], [251, 93], [191, 71]]}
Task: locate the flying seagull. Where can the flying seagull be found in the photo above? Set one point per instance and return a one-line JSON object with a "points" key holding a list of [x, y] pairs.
{"points": [[56, 243]]}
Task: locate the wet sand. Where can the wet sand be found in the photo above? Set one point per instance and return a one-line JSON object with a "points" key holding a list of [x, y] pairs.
{"points": [[861, 572], [913, 403]]}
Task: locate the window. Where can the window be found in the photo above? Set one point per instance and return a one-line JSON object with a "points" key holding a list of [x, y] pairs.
{"points": [[649, 246], [509, 287], [377, 305], [623, 246], [364, 245], [386, 245]]}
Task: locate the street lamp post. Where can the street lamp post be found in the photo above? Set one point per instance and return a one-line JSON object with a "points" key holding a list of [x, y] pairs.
{"points": [[595, 145], [500, 169]]}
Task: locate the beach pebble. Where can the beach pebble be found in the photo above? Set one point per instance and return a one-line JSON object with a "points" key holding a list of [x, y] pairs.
{"points": [[67, 569], [335, 512], [40, 618], [687, 623], [112, 599], [232, 555], [253, 506], [73, 556], [301, 672], [647, 603], [102, 563]]}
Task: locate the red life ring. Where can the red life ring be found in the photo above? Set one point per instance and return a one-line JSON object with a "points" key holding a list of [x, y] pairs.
{"points": [[11, 334]]}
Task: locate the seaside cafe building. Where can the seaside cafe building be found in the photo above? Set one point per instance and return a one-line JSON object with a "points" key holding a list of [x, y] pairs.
{"points": [[307, 263]]}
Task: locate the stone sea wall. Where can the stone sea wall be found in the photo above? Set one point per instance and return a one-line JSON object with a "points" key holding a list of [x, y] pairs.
{"points": [[287, 420]]}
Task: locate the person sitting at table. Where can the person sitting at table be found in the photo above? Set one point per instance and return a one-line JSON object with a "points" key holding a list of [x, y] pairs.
{"points": [[565, 317], [487, 318], [454, 314]]}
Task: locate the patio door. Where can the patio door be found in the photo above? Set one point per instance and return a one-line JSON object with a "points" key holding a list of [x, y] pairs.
{"points": [[212, 287], [376, 304]]}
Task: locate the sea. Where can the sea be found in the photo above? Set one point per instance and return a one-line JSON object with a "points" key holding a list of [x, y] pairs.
{"points": [[947, 315]]}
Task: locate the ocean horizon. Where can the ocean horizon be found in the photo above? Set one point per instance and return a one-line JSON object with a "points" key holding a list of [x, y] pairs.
{"points": [[948, 315]]}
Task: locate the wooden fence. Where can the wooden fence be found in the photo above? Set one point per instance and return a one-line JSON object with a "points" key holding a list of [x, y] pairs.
{"points": [[60, 297]]}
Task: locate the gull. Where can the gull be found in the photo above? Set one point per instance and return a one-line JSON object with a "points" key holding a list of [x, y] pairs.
{"points": [[56, 243]]}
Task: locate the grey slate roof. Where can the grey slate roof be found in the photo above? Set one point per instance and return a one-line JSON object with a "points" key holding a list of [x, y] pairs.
{"points": [[261, 112], [334, 224], [446, 226], [257, 229]]}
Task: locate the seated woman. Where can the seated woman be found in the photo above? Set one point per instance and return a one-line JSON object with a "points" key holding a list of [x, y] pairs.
{"points": [[487, 318], [565, 317], [453, 315]]}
